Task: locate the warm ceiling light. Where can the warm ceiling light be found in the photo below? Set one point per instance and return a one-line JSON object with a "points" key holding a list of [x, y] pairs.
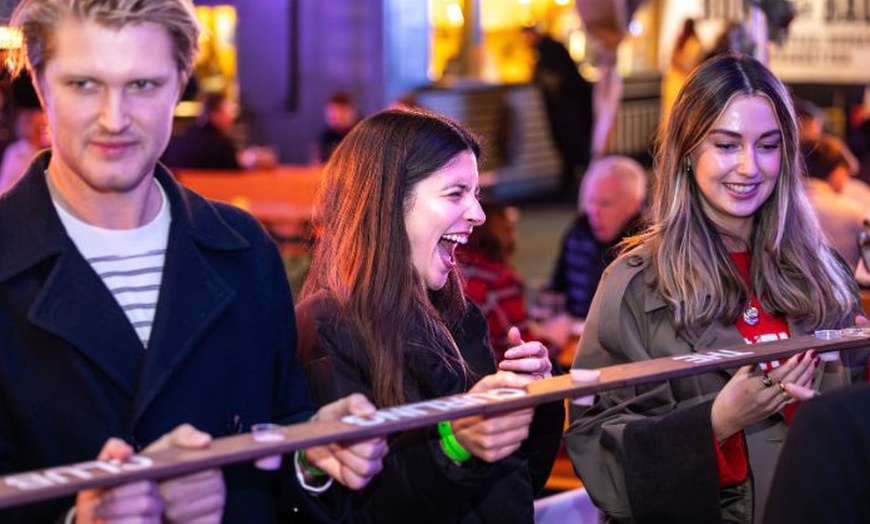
{"points": [[10, 38]]}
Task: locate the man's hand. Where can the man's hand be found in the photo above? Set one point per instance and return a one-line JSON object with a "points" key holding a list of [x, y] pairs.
{"points": [[198, 497], [134, 502], [351, 463]]}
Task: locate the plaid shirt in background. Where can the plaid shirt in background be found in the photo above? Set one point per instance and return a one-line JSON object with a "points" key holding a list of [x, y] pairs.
{"points": [[499, 292]]}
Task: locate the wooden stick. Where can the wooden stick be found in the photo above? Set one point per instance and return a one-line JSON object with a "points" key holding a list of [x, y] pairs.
{"points": [[23, 488]]}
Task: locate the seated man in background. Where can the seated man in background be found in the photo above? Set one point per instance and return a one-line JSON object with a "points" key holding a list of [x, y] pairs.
{"points": [[208, 143], [841, 215], [811, 131], [609, 206]]}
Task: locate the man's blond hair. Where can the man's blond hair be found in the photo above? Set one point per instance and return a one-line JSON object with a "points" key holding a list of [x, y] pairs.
{"points": [[38, 20]]}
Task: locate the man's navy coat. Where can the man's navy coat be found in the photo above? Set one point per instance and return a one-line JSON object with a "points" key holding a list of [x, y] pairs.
{"points": [[73, 372]]}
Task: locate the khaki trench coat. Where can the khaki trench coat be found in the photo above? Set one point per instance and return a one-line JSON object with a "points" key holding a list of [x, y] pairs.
{"points": [[646, 453]]}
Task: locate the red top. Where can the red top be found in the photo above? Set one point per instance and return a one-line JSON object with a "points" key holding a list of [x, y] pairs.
{"points": [[769, 327], [731, 453]]}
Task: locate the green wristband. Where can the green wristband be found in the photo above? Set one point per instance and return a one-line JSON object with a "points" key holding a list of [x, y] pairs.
{"points": [[452, 448], [307, 468]]}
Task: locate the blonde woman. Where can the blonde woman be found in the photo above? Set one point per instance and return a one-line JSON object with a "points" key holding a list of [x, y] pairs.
{"points": [[733, 255]]}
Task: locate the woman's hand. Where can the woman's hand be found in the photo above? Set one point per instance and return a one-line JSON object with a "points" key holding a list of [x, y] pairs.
{"points": [[750, 397], [530, 358], [353, 463], [493, 437]]}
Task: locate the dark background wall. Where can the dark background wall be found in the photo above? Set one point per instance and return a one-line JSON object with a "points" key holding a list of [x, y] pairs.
{"points": [[292, 54]]}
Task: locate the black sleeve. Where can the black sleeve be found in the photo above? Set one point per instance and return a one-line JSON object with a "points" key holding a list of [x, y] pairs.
{"points": [[293, 405], [545, 433], [417, 478], [656, 482], [823, 473], [545, 436]]}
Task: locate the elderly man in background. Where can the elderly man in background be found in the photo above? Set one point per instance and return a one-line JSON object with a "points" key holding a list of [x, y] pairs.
{"points": [[836, 197], [609, 206]]}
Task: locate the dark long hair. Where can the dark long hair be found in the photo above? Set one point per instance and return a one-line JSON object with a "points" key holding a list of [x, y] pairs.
{"points": [[363, 255]]}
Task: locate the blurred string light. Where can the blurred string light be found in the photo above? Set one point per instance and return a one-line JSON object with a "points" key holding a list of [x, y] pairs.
{"points": [[11, 41], [454, 15], [446, 14], [577, 46], [10, 38]]}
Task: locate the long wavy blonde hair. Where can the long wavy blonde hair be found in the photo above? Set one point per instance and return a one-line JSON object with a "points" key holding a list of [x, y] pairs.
{"points": [[792, 271]]}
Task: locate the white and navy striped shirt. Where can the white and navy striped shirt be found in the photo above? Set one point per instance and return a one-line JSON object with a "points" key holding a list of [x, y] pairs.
{"points": [[129, 261]]}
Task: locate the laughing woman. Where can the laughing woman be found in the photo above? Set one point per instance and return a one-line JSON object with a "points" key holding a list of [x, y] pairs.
{"points": [[734, 255], [383, 313]]}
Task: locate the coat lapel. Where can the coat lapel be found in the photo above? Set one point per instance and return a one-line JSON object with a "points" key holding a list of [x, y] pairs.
{"points": [[710, 336], [76, 306], [72, 302], [716, 335], [193, 296]]}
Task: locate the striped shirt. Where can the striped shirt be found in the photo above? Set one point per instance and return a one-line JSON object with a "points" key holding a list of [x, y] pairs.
{"points": [[129, 262]]}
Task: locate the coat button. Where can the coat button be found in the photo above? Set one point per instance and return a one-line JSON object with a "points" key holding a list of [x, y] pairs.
{"points": [[234, 425]]}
